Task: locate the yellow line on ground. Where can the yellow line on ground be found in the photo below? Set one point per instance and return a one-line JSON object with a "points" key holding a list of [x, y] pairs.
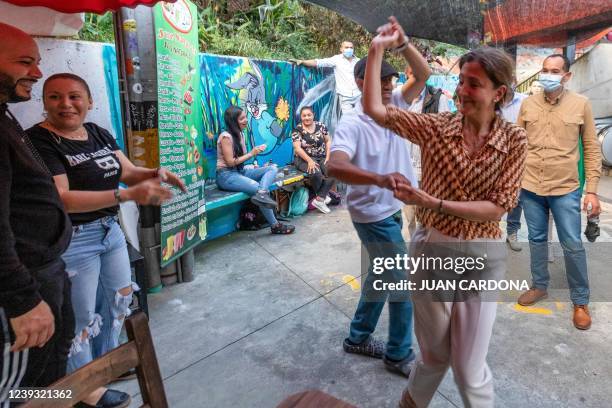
{"points": [[352, 282], [533, 310], [560, 306]]}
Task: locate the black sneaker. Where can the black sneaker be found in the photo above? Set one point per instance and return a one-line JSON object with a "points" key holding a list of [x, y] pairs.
{"points": [[370, 347], [402, 367], [263, 200], [282, 229], [110, 399]]}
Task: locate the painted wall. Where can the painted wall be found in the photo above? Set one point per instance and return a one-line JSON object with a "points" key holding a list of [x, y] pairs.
{"points": [[268, 91], [96, 63]]}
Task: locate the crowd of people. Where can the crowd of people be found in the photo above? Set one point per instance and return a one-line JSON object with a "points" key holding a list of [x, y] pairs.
{"points": [[63, 258]]}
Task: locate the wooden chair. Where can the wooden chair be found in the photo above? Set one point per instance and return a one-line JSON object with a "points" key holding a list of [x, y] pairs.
{"points": [[313, 399], [138, 352]]}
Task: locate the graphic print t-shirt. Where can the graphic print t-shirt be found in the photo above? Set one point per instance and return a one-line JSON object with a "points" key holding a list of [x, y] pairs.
{"points": [[90, 165], [312, 143]]}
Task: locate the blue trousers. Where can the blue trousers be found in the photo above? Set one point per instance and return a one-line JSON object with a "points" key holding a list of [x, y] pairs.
{"points": [[98, 265], [566, 213], [250, 181], [513, 221], [383, 239]]}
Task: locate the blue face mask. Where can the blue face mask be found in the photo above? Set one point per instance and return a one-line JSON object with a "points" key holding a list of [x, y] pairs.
{"points": [[348, 53], [550, 82]]}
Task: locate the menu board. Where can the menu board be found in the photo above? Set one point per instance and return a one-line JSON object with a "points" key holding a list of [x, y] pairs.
{"points": [[183, 219]]}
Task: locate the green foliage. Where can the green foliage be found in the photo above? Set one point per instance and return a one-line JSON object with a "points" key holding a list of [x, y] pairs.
{"points": [[272, 29], [98, 28]]}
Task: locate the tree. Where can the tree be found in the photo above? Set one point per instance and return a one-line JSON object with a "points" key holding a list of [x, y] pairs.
{"points": [[271, 29]]}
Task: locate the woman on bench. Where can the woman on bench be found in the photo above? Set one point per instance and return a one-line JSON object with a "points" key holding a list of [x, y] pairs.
{"points": [[233, 175], [311, 143]]}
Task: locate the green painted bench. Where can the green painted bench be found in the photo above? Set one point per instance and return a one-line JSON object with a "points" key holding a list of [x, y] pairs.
{"points": [[223, 207]]}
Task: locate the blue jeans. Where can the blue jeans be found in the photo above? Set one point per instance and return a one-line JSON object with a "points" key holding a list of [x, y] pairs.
{"points": [[383, 239], [566, 213], [250, 181], [513, 220], [98, 265]]}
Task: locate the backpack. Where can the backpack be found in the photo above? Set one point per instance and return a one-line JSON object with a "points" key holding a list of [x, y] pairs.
{"points": [[251, 218], [298, 204], [433, 103]]}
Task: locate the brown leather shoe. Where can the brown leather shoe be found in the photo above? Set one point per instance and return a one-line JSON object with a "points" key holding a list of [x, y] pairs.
{"points": [[532, 296], [582, 317]]}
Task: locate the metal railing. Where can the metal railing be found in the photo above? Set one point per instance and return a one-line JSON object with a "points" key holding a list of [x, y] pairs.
{"points": [[524, 86]]}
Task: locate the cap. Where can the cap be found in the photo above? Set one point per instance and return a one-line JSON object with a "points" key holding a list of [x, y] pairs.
{"points": [[385, 71]]}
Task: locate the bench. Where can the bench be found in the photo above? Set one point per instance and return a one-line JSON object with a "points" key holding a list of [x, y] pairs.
{"points": [[137, 353], [223, 207]]}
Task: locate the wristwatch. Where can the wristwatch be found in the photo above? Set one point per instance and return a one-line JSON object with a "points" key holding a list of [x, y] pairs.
{"points": [[403, 46]]}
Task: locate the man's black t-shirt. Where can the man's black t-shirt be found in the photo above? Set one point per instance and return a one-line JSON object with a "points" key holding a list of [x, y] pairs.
{"points": [[90, 165]]}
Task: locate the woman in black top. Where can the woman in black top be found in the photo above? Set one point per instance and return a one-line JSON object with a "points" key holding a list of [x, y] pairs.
{"points": [[311, 146], [87, 166]]}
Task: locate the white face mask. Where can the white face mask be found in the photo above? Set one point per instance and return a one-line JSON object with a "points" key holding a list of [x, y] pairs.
{"points": [[348, 52], [550, 82]]}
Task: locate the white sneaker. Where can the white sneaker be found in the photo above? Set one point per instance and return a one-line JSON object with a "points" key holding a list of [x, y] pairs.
{"points": [[327, 200], [321, 206], [512, 241]]}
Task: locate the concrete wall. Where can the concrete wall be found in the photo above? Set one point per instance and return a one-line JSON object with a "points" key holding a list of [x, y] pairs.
{"points": [[592, 77]]}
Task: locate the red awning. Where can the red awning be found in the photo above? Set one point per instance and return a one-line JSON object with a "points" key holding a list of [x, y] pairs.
{"points": [[89, 6]]}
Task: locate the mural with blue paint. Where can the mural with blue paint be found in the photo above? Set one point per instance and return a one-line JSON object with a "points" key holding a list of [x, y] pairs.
{"points": [[269, 92], [317, 88], [447, 83], [264, 89], [111, 77]]}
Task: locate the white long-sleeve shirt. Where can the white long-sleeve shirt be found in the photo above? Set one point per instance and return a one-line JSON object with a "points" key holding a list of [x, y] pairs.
{"points": [[344, 73]]}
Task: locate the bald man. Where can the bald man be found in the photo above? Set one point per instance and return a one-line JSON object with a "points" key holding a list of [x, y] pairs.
{"points": [[36, 319]]}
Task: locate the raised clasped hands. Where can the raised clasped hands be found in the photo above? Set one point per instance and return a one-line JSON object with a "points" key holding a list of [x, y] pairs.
{"points": [[390, 35]]}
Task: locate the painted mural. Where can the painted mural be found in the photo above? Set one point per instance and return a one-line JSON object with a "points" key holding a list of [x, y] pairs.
{"points": [[268, 91], [317, 88]]}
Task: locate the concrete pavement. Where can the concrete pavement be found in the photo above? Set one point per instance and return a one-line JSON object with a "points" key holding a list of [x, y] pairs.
{"points": [[266, 315]]}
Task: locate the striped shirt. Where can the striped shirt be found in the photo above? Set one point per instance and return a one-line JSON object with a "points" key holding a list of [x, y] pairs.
{"points": [[494, 174]]}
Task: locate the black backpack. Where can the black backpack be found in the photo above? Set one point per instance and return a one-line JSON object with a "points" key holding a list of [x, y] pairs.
{"points": [[251, 218], [432, 104]]}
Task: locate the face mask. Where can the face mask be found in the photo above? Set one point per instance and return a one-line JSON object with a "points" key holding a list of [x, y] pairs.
{"points": [[348, 53], [550, 82]]}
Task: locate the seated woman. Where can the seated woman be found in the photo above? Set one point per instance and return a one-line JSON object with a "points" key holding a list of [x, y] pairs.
{"points": [[233, 175], [311, 144], [87, 167]]}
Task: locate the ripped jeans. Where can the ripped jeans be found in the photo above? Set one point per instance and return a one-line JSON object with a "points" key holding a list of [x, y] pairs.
{"points": [[98, 265]]}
